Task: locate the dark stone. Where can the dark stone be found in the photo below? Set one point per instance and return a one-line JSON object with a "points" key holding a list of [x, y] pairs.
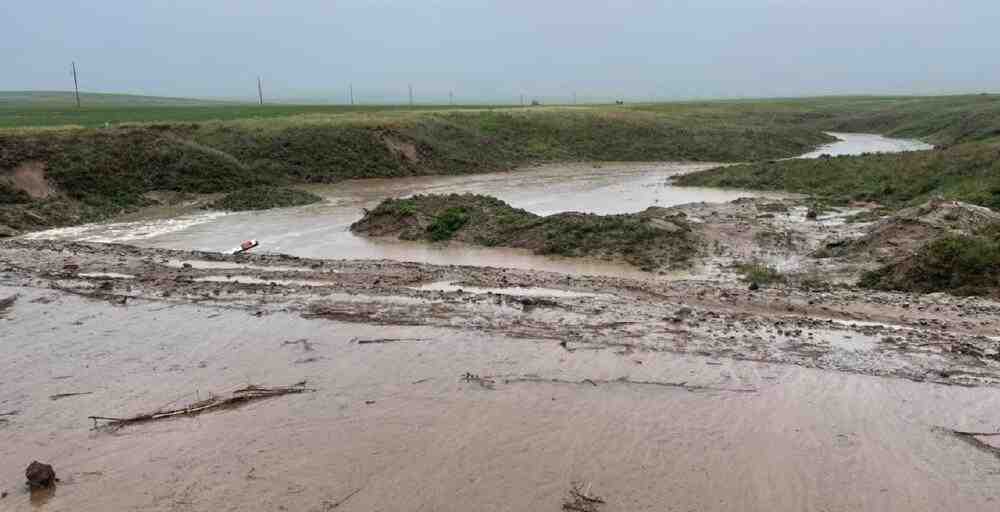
{"points": [[754, 286], [812, 214], [40, 475]]}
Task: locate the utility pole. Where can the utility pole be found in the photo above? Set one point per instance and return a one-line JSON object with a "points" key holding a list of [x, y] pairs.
{"points": [[76, 86], [522, 99], [574, 97], [411, 95], [260, 91], [451, 97], [352, 94]]}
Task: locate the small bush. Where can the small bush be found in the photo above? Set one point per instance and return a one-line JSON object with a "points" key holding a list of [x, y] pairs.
{"points": [[445, 225], [760, 273]]}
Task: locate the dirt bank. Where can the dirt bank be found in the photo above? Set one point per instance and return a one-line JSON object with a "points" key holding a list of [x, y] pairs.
{"points": [[654, 239]]}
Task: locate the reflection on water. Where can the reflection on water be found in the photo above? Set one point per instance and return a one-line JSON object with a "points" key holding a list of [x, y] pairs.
{"points": [[322, 230]]}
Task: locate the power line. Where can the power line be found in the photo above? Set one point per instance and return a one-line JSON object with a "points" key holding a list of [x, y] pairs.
{"points": [[76, 86]]}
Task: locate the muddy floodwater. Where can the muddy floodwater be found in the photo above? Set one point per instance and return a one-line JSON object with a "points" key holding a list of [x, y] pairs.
{"points": [[321, 230], [498, 386]]}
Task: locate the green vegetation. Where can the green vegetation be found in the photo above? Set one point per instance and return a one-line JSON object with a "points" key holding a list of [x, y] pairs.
{"points": [[965, 167], [760, 273], [969, 172], [262, 198], [651, 239], [962, 265], [447, 223]]}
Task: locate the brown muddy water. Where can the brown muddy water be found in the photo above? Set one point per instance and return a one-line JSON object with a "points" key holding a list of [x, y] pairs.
{"points": [[393, 426]]}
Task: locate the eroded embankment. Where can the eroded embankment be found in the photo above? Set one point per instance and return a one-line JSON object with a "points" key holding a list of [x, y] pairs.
{"points": [[92, 174]]}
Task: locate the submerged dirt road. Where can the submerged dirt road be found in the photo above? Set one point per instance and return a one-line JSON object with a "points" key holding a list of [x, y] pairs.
{"points": [[458, 388]]}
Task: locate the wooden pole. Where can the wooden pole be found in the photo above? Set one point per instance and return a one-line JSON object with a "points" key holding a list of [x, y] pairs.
{"points": [[451, 97], [352, 94], [411, 95], [260, 91], [76, 85]]}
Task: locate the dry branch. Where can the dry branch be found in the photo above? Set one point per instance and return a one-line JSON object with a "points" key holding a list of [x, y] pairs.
{"points": [[234, 398]]}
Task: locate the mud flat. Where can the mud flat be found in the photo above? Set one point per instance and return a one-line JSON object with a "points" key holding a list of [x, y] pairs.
{"points": [[652, 394]]}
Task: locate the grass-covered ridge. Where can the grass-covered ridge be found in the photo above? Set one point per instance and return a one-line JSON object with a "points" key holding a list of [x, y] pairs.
{"points": [[652, 239], [103, 171], [968, 172]]}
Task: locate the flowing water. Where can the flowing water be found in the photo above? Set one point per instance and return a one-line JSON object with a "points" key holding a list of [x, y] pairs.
{"points": [[393, 426], [322, 230]]}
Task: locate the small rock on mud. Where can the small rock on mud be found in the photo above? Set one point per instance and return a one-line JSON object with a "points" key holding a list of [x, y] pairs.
{"points": [[40, 475]]}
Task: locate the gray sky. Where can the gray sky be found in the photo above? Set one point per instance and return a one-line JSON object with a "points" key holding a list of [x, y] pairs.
{"points": [[495, 50]]}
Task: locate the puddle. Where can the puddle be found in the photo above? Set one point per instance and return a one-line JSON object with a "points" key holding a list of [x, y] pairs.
{"points": [[448, 286]]}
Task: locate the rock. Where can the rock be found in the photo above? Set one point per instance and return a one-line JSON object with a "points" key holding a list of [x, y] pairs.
{"points": [[812, 214], [754, 286], [40, 475], [7, 231]]}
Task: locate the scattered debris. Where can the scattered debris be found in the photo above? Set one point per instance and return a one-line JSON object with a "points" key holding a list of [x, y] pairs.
{"points": [[234, 398], [626, 380], [3, 495], [307, 360], [582, 501], [973, 439], [6, 304], [40, 475], [360, 341], [245, 246], [60, 396], [306, 345], [332, 505], [485, 382]]}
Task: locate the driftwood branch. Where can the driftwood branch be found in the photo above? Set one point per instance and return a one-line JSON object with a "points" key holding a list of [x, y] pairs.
{"points": [[234, 398]]}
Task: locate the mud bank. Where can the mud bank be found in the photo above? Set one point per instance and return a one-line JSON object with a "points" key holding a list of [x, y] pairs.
{"points": [[652, 239], [684, 394]]}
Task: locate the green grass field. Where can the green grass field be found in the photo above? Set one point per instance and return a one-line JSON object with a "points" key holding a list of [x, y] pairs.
{"points": [[101, 159]]}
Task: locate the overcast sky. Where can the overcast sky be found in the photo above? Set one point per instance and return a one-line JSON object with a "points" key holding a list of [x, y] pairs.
{"points": [[496, 50]]}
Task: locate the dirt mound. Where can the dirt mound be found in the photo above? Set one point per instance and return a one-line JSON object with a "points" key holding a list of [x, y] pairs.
{"points": [[652, 239], [29, 177], [962, 265], [902, 234]]}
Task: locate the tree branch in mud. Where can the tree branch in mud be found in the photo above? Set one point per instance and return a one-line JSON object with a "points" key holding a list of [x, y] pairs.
{"points": [[623, 380], [485, 382], [360, 341], [7, 303], [235, 398], [582, 501], [972, 438]]}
